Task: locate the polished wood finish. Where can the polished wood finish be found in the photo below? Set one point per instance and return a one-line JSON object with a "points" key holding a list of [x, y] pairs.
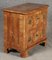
{"points": [[25, 8], [25, 27]]}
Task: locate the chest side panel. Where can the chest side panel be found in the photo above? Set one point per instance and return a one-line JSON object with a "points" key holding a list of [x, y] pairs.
{"points": [[11, 21]]}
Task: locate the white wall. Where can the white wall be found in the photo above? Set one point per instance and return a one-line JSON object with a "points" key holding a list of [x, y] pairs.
{"points": [[9, 3], [6, 3]]}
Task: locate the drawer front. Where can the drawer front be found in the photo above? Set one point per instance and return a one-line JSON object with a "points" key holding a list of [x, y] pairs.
{"points": [[35, 25]]}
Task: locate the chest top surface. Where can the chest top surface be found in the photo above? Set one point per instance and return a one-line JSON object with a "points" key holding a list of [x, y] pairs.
{"points": [[24, 8]]}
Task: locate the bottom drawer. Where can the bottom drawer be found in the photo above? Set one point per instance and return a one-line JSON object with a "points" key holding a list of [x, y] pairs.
{"points": [[34, 38], [31, 43]]}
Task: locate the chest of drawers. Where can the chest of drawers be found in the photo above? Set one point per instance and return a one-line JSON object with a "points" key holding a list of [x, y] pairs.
{"points": [[25, 27]]}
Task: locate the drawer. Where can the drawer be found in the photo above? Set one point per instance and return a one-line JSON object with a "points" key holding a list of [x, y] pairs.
{"points": [[35, 20]]}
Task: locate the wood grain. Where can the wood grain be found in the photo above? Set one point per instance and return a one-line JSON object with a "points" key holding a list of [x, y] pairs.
{"points": [[25, 27]]}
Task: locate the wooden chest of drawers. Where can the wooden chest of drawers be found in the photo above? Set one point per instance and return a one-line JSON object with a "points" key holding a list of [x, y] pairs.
{"points": [[25, 27]]}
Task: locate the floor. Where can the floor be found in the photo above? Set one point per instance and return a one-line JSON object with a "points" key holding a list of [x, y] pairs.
{"points": [[37, 53]]}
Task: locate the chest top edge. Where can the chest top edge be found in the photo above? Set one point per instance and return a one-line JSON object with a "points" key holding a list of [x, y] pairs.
{"points": [[25, 8]]}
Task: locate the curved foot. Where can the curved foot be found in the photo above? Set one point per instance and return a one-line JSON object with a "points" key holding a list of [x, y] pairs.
{"points": [[24, 54]]}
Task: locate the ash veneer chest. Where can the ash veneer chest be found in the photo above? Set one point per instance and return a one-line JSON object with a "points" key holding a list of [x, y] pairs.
{"points": [[25, 27]]}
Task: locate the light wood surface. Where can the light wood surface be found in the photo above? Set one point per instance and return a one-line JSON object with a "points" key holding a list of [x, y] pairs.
{"points": [[25, 27]]}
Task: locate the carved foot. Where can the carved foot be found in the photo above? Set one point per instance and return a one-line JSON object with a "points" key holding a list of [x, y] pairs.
{"points": [[24, 54]]}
